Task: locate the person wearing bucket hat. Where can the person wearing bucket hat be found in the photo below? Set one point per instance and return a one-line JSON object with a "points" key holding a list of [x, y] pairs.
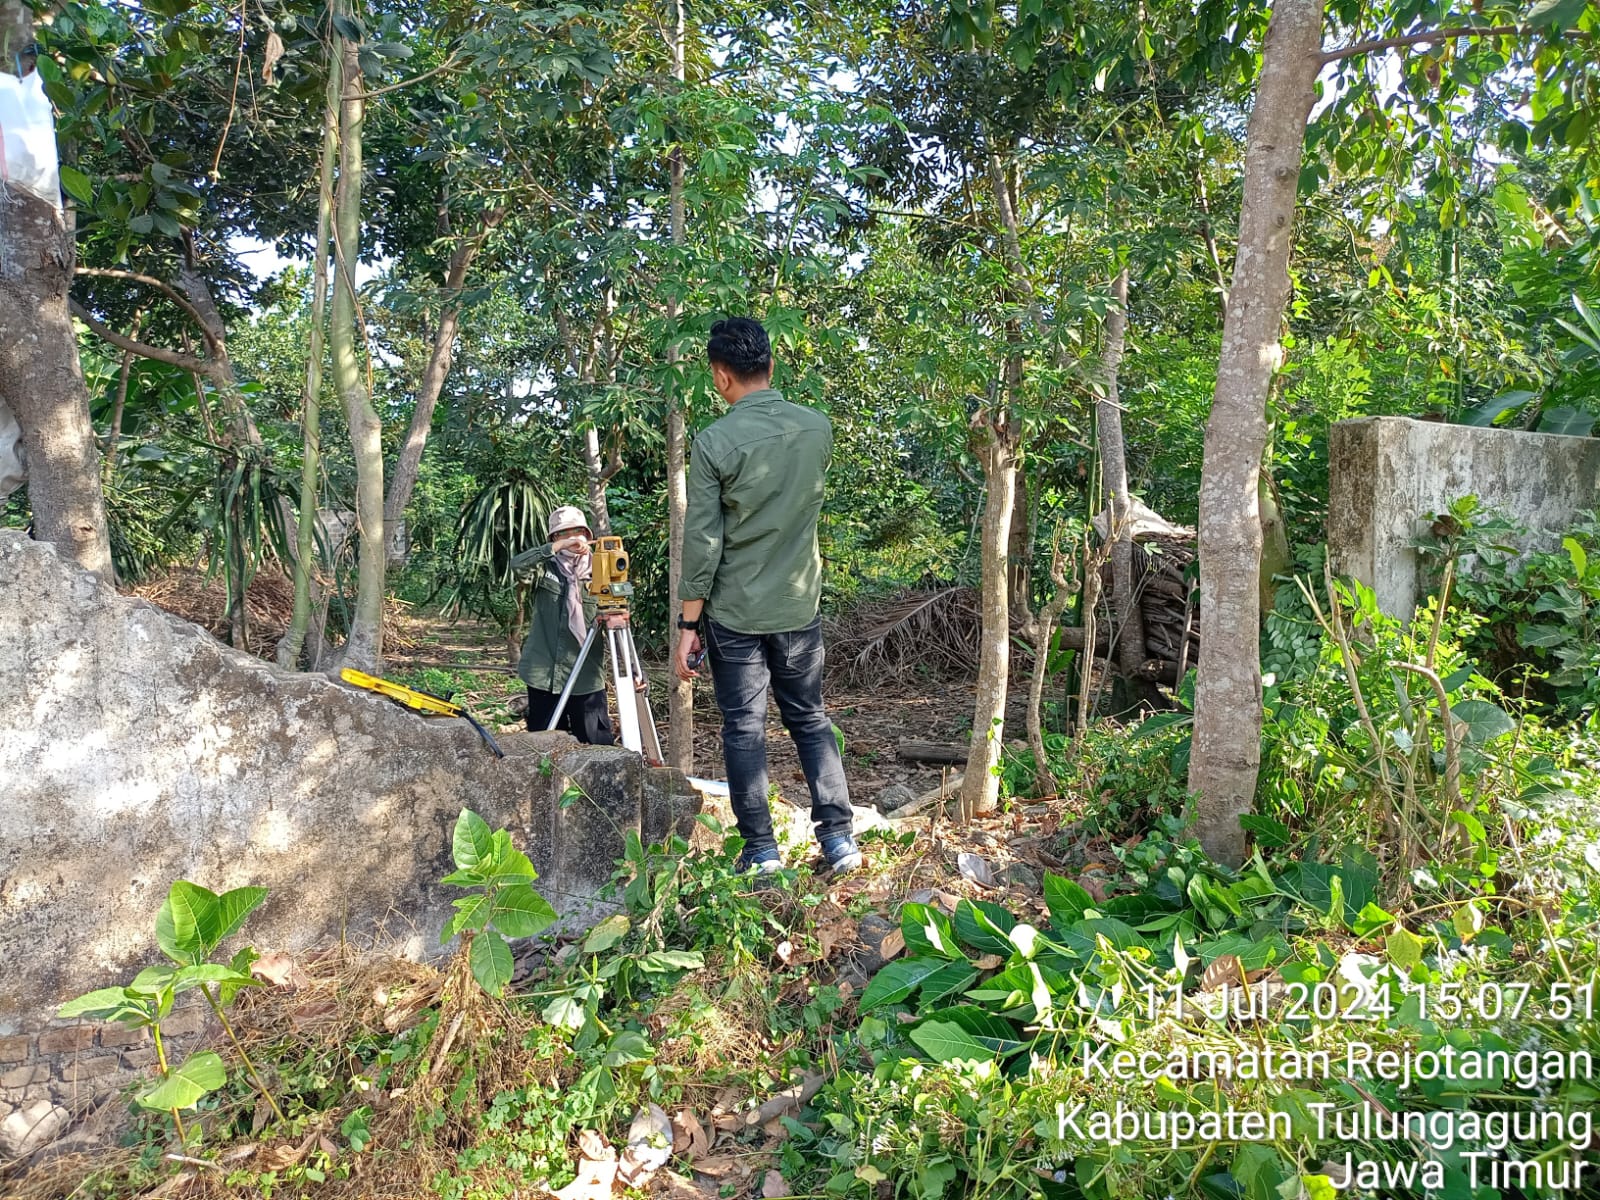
{"points": [[563, 613]]}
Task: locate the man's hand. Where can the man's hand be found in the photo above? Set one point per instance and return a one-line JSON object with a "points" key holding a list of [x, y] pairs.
{"points": [[575, 541], [688, 644]]}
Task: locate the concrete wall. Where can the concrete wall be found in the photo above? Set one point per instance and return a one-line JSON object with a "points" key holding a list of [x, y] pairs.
{"points": [[1385, 472], [135, 750]]}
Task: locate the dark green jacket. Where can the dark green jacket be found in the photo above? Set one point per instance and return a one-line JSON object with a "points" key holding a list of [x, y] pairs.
{"points": [[549, 650], [750, 534]]}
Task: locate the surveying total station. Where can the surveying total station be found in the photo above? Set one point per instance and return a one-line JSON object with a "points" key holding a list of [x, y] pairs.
{"points": [[608, 584]]}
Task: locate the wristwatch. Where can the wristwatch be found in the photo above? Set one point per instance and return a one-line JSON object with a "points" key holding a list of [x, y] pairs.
{"points": [[682, 624]]}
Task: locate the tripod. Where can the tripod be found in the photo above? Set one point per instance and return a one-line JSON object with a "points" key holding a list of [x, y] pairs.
{"points": [[633, 705]]}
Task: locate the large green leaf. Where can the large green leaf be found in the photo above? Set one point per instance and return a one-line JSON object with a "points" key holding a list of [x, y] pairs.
{"points": [[607, 934], [945, 1041], [898, 980], [472, 841], [1484, 720], [629, 1046], [472, 912], [201, 1073], [521, 912], [232, 909], [1486, 413], [948, 981], [997, 1035], [928, 931], [109, 1004], [984, 926], [1567, 421], [490, 960], [187, 910], [1066, 900]]}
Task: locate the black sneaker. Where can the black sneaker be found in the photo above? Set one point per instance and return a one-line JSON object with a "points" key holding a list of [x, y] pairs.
{"points": [[842, 855]]}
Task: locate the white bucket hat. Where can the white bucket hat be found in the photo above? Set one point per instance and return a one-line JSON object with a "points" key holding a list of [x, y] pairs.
{"points": [[564, 518]]}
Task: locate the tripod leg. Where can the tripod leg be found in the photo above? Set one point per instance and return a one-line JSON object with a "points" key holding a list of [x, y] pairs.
{"points": [[620, 642], [572, 677], [647, 721]]}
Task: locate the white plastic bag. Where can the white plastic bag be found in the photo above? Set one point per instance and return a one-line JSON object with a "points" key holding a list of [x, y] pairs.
{"points": [[28, 138]]}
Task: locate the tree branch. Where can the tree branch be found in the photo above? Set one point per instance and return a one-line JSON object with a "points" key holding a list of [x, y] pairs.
{"points": [[1411, 39], [164, 288], [172, 358]]}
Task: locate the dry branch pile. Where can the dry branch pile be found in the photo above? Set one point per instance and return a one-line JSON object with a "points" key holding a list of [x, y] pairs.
{"points": [[1160, 564], [934, 633]]}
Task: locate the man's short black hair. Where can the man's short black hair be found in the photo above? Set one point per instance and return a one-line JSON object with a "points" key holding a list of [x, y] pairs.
{"points": [[741, 345]]}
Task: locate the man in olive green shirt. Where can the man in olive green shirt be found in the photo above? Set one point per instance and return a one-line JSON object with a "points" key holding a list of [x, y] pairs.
{"points": [[752, 572]]}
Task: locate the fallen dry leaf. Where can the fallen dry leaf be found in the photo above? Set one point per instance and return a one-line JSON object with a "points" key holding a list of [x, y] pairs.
{"points": [[775, 1186], [724, 1165], [728, 1122], [987, 962], [893, 945], [649, 1146], [1225, 970], [788, 1102], [688, 1130], [325, 1144], [280, 970], [592, 1146], [1095, 887], [835, 933]]}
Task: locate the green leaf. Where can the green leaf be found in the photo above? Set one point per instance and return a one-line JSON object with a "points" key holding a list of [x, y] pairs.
{"points": [[1467, 921], [1404, 948], [564, 1012], [607, 934], [928, 931], [472, 841], [984, 926], [672, 960], [201, 1073], [472, 912], [948, 981], [107, 1004], [490, 959], [200, 974], [897, 981], [1566, 421], [152, 981], [520, 912], [76, 184], [1557, 14], [1067, 901], [1269, 833], [945, 1041], [1484, 720], [995, 1034], [1490, 410], [187, 910], [1579, 556], [232, 909], [629, 1046]]}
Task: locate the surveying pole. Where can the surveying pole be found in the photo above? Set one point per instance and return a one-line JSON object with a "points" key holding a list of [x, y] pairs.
{"points": [[608, 584]]}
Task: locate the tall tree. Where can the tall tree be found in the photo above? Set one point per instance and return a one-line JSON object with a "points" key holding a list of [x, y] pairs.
{"points": [[41, 379], [363, 647], [680, 736], [1227, 739]]}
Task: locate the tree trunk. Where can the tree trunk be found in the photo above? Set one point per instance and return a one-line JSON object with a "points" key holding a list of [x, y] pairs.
{"points": [[41, 379], [1020, 551], [1227, 727], [363, 648], [1129, 640], [409, 464], [680, 730], [1276, 557], [1044, 779], [980, 789], [598, 470], [293, 643]]}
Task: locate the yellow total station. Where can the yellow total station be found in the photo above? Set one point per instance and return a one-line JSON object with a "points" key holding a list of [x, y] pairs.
{"points": [[608, 576]]}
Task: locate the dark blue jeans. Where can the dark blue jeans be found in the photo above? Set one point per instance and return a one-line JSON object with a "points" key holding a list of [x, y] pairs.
{"points": [[743, 666]]}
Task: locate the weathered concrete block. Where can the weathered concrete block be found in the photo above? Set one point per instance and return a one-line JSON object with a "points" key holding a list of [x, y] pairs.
{"points": [[1385, 472], [137, 750]]}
